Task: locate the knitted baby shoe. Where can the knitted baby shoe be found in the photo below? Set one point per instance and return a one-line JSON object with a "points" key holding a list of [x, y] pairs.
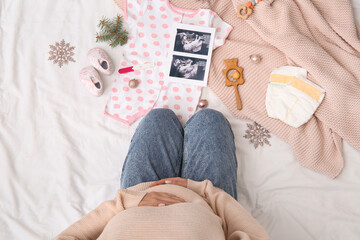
{"points": [[100, 60], [91, 80]]}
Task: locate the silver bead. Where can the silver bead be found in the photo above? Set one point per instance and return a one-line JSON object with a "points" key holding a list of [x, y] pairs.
{"points": [[133, 83], [203, 103], [255, 58]]}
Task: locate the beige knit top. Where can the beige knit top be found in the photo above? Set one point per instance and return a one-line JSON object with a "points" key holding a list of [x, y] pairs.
{"points": [[208, 213]]}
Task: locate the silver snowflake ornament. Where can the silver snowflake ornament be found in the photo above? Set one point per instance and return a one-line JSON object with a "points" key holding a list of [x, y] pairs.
{"points": [[61, 53], [257, 135]]}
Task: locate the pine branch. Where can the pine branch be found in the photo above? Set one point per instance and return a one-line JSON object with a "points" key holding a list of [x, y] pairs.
{"points": [[117, 22], [102, 36], [112, 31]]}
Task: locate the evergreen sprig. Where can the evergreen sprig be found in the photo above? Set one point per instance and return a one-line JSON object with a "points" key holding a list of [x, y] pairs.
{"points": [[112, 31]]}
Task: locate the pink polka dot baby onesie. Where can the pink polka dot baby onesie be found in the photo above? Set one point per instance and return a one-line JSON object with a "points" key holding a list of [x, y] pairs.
{"points": [[149, 24]]}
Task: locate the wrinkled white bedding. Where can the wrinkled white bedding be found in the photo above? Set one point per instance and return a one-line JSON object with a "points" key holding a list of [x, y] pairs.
{"points": [[60, 156]]}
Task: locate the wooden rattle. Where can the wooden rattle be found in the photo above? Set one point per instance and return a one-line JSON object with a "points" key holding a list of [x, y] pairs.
{"points": [[236, 76]]}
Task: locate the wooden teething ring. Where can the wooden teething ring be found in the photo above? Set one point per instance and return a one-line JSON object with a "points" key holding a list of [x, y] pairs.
{"points": [[243, 12]]}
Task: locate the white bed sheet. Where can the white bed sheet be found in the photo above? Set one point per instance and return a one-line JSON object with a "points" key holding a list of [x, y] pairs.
{"points": [[60, 156]]}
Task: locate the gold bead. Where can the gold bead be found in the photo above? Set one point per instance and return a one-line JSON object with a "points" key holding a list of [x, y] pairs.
{"points": [[236, 75]]}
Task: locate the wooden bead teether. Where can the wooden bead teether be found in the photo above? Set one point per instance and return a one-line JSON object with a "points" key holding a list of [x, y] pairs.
{"points": [[243, 12]]}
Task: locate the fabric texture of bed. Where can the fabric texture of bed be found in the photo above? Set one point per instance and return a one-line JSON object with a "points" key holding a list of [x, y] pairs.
{"points": [[60, 156]]}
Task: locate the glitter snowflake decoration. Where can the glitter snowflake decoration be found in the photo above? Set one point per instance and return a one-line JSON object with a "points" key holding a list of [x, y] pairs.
{"points": [[61, 53], [257, 135]]}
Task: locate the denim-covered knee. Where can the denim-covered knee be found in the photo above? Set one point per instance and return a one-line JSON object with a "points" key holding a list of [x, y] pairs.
{"points": [[211, 120], [209, 115], [160, 113]]}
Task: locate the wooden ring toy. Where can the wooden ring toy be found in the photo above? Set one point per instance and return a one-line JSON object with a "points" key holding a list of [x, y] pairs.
{"points": [[243, 12]]}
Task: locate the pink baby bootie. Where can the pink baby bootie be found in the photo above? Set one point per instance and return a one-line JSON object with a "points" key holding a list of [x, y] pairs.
{"points": [[91, 80], [100, 60]]}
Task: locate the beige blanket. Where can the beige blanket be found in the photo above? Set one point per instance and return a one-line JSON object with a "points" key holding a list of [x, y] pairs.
{"points": [[320, 36]]}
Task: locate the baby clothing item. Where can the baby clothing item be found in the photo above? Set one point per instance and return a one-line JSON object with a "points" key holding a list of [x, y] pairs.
{"points": [[150, 24], [91, 80], [292, 98], [100, 60]]}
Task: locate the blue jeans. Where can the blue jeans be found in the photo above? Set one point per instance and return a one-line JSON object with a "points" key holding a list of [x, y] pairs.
{"points": [[162, 148]]}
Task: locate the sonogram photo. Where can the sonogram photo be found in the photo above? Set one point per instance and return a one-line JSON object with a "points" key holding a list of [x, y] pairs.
{"points": [[188, 68], [192, 42]]}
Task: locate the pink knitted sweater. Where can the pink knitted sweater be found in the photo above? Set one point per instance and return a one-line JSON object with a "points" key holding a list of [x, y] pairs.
{"points": [[320, 36], [208, 213]]}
